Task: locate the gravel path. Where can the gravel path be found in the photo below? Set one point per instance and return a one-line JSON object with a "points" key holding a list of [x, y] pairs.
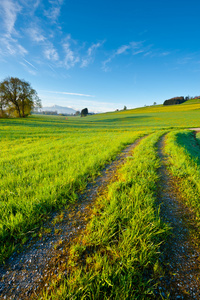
{"points": [[180, 259], [27, 272]]}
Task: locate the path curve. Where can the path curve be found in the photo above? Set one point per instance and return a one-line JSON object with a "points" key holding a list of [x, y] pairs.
{"points": [[26, 273]]}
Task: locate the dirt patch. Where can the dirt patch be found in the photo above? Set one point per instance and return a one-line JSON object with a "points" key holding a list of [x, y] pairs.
{"points": [[195, 129], [180, 259], [26, 273]]}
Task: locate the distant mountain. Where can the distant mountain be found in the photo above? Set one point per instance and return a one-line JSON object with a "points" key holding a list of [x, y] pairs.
{"points": [[59, 109]]}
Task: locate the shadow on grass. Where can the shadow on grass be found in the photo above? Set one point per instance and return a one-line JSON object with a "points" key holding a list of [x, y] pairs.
{"points": [[121, 119], [190, 143]]}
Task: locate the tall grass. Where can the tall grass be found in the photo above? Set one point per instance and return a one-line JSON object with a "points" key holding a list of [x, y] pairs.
{"points": [[118, 255], [41, 174], [184, 164]]}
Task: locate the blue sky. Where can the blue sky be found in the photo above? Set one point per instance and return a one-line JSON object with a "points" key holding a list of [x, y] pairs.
{"points": [[102, 54]]}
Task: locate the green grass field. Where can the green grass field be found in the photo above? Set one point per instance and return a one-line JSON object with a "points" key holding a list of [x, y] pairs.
{"points": [[46, 161]]}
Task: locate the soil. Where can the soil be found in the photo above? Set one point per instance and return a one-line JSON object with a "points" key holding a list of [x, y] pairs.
{"points": [[26, 273], [180, 260], [195, 129]]}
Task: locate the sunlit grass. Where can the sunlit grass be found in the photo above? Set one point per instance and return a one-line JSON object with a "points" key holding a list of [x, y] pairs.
{"points": [[118, 256], [41, 174]]}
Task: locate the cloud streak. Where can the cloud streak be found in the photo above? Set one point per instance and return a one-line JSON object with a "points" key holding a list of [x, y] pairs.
{"points": [[90, 54], [68, 93], [30, 64], [31, 71]]}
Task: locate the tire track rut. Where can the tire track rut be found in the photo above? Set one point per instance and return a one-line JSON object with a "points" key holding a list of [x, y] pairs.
{"points": [[180, 259]]}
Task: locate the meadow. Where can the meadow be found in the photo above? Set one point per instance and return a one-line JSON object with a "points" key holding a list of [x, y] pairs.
{"points": [[47, 161]]}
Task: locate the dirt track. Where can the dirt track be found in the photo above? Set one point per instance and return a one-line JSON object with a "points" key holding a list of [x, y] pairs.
{"points": [[180, 259]]}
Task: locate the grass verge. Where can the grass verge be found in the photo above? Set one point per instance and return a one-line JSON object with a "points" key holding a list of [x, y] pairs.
{"points": [[184, 164], [118, 256]]}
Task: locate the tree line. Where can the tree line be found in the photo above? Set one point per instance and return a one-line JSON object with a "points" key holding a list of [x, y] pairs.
{"points": [[17, 98], [179, 100]]}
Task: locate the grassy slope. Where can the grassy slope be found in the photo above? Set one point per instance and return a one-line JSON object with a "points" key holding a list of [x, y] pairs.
{"points": [[152, 117]]}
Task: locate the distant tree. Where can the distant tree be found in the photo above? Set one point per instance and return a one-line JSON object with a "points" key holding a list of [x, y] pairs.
{"points": [[77, 113], [125, 108], [18, 96], [154, 103], [84, 112]]}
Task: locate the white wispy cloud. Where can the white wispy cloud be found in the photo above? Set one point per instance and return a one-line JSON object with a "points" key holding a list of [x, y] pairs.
{"points": [[148, 53], [31, 71], [121, 50], [105, 68], [36, 4], [133, 48], [30, 5], [9, 12], [156, 53], [52, 69], [54, 11], [71, 58], [69, 93], [51, 54], [90, 54], [35, 33], [93, 48], [10, 46], [185, 60], [165, 53]]}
